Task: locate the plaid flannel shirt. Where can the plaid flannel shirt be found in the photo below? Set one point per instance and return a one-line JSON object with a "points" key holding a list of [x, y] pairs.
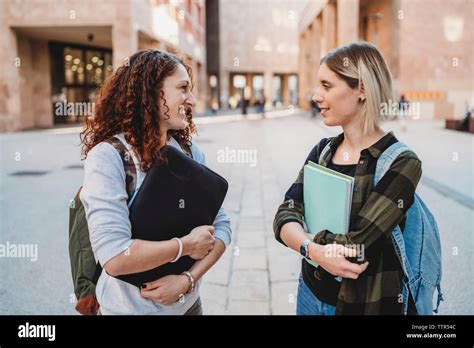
{"points": [[374, 214]]}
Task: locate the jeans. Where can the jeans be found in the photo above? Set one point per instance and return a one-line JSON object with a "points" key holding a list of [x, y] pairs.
{"points": [[196, 308], [308, 304]]}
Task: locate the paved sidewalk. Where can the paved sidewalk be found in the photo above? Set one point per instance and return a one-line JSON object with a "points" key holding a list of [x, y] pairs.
{"points": [[256, 275]]}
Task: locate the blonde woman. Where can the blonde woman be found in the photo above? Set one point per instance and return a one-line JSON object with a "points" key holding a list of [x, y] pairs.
{"points": [[354, 84]]}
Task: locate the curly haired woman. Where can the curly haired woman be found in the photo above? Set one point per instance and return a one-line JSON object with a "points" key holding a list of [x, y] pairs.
{"points": [[146, 104]]}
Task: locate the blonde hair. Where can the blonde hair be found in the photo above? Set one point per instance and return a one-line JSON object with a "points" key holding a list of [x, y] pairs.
{"points": [[361, 64]]}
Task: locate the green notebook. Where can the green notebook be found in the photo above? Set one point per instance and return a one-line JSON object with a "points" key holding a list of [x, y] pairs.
{"points": [[327, 200]]}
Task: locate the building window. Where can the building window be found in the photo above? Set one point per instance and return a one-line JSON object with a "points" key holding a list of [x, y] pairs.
{"points": [[239, 82], [257, 87], [77, 71], [277, 92], [293, 87]]}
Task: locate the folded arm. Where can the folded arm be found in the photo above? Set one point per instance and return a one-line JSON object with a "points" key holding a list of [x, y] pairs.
{"points": [[384, 209], [105, 202], [288, 228]]}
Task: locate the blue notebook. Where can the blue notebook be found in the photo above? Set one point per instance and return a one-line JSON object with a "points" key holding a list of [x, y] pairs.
{"points": [[327, 200]]}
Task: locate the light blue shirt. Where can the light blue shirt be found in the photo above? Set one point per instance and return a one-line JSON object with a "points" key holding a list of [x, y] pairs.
{"points": [[105, 202]]}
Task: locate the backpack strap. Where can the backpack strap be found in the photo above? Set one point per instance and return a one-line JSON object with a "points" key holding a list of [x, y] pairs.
{"points": [[322, 159], [97, 273], [384, 163], [188, 150], [386, 159], [440, 298], [128, 165]]}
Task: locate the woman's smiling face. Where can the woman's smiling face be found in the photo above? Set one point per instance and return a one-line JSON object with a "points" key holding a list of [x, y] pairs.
{"points": [[179, 100], [338, 102]]}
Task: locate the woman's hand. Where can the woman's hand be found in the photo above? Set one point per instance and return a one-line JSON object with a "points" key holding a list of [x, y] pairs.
{"points": [[166, 290], [199, 242], [332, 257]]}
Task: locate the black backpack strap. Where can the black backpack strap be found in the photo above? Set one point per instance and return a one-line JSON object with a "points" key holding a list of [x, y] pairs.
{"points": [[97, 273]]}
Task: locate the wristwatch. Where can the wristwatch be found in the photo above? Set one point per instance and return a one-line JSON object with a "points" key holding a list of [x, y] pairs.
{"points": [[304, 248]]}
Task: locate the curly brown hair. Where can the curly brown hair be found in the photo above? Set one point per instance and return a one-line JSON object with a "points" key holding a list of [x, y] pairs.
{"points": [[127, 102]]}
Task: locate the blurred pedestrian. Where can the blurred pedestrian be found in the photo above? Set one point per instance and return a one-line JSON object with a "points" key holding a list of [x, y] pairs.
{"points": [[314, 108], [261, 105], [403, 106], [244, 105]]}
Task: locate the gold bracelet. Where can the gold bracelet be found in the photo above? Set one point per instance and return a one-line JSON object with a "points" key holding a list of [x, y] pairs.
{"points": [[191, 280]]}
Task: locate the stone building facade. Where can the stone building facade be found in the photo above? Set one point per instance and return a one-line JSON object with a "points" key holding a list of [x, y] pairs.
{"points": [[428, 45], [54, 51]]}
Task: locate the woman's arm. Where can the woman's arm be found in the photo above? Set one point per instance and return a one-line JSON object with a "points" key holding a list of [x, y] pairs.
{"points": [[331, 257], [202, 266], [222, 236], [144, 255], [105, 202], [288, 228], [168, 289]]}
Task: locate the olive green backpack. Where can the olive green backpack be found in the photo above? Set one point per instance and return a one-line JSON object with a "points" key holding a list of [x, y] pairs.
{"points": [[84, 268]]}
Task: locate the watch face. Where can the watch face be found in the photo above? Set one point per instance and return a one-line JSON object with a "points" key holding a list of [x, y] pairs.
{"points": [[303, 249]]}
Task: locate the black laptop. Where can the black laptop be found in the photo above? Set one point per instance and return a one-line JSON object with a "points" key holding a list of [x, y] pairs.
{"points": [[177, 195]]}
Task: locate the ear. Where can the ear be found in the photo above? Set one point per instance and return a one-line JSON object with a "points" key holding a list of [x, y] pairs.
{"points": [[361, 95]]}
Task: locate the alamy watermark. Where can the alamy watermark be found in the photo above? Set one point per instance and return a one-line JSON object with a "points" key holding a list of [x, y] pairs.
{"points": [[359, 248], [11, 250], [229, 155], [37, 331], [65, 108], [392, 109]]}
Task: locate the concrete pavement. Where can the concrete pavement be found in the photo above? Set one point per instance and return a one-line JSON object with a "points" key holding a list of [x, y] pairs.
{"points": [[256, 275]]}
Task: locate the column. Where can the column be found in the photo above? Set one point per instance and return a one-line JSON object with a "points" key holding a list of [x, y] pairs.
{"points": [[347, 21]]}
